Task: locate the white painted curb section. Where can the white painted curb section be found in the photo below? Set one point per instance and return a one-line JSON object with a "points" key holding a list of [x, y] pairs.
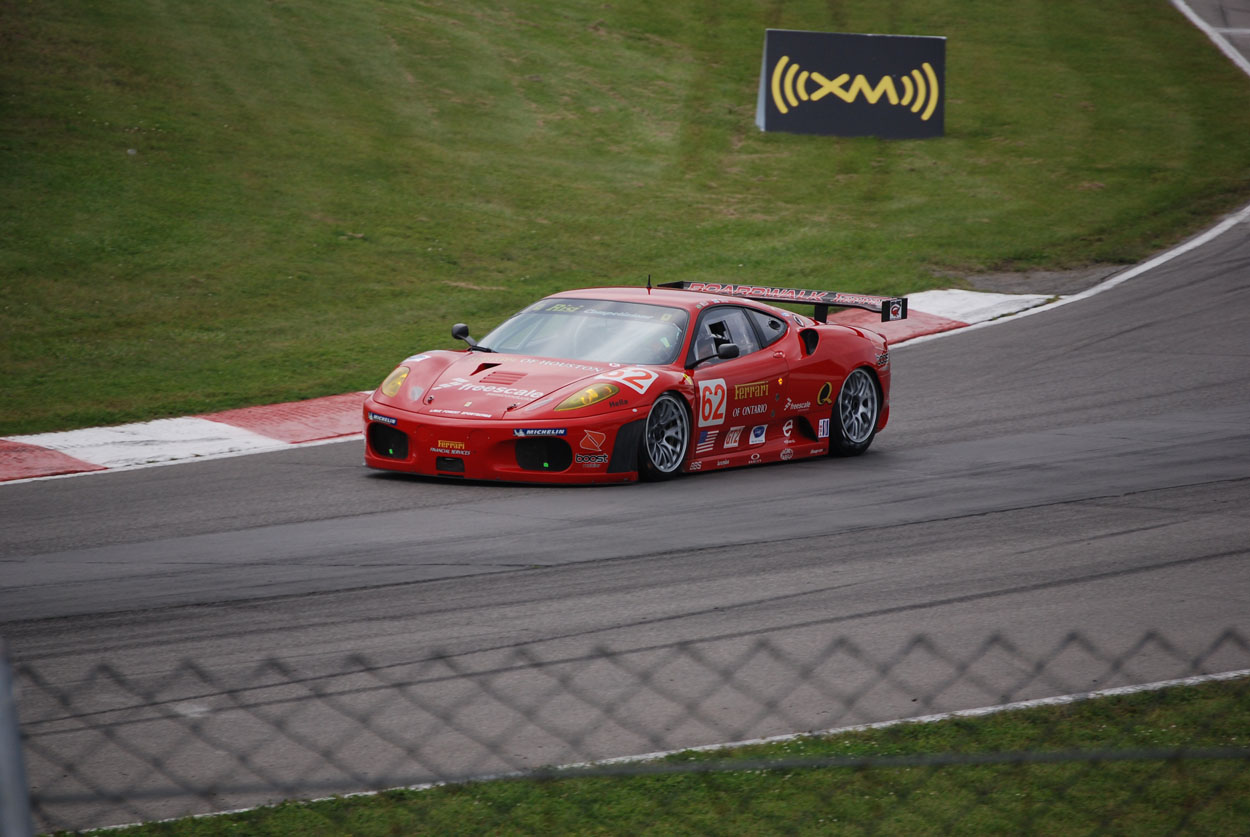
{"points": [[152, 442], [973, 306]]}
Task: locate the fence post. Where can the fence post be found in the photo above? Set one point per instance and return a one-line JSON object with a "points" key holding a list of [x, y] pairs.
{"points": [[15, 818]]}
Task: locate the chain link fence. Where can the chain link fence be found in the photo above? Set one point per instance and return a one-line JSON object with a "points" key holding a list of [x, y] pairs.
{"points": [[106, 743]]}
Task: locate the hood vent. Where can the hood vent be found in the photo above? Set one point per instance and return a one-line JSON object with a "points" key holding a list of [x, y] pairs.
{"points": [[503, 378]]}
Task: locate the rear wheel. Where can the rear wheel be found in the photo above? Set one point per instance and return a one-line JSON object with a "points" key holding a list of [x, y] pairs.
{"points": [[855, 414], [665, 440]]}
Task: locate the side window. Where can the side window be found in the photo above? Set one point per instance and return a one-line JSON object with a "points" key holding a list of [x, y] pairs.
{"points": [[722, 324], [770, 328]]}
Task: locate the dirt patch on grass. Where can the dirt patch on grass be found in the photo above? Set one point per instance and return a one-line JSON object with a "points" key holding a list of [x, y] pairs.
{"points": [[1050, 282]]}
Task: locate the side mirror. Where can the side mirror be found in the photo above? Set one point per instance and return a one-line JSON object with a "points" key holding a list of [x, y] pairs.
{"points": [[724, 351], [460, 331]]}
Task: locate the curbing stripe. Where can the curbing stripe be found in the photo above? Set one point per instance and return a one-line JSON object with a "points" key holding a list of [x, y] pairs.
{"points": [[294, 423], [164, 440], [21, 460]]}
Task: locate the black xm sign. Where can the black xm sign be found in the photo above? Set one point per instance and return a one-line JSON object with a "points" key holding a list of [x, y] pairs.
{"points": [[890, 86]]}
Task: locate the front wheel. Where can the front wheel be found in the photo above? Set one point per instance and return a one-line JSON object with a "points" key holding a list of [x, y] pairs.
{"points": [[855, 415], [665, 440]]}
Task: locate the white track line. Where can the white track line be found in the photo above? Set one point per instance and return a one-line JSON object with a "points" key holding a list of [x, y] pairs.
{"points": [[1216, 36], [1059, 700]]}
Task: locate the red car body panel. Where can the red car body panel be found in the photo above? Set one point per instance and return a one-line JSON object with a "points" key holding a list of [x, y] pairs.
{"points": [[492, 416]]}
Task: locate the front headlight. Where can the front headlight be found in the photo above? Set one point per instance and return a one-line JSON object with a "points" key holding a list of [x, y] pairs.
{"points": [[592, 394], [395, 380]]}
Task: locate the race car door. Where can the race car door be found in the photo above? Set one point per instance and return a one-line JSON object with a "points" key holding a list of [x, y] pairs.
{"points": [[737, 397]]}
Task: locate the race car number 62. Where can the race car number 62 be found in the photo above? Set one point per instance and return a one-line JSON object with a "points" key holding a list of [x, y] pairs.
{"points": [[634, 377], [712, 396]]}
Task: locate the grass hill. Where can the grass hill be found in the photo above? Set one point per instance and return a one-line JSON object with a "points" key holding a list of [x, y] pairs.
{"points": [[209, 205]]}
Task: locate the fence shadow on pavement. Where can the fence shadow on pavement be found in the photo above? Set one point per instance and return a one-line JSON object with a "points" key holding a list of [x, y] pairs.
{"points": [[112, 743]]}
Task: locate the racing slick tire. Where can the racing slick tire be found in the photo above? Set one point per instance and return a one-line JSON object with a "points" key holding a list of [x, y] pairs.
{"points": [[665, 439], [855, 414]]}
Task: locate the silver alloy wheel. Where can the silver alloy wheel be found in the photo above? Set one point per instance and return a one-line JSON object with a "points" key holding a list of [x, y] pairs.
{"points": [[857, 407], [668, 433]]}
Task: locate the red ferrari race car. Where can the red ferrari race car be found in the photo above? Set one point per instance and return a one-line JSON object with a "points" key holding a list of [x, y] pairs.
{"points": [[617, 384]]}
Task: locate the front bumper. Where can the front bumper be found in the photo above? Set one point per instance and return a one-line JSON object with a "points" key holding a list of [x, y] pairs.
{"points": [[596, 449]]}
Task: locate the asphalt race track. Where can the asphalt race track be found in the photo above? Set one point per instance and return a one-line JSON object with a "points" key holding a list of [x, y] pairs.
{"points": [[1085, 469]]}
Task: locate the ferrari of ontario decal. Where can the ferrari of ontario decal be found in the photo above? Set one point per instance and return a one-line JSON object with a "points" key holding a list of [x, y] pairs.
{"points": [[634, 377], [712, 396], [758, 389]]}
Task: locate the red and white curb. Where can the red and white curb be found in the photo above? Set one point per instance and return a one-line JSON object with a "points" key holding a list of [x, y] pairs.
{"points": [[334, 418], [160, 442]]}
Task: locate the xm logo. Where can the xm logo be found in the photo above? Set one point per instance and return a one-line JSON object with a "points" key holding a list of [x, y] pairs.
{"points": [[792, 86], [838, 84]]}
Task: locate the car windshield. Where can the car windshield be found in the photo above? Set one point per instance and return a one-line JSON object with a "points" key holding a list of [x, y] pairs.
{"points": [[593, 329]]}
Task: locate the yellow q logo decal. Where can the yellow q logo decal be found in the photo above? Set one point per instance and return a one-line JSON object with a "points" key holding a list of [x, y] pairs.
{"points": [[826, 394], [790, 87]]}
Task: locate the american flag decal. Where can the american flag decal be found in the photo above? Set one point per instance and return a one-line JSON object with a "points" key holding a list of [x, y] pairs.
{"points": [[707, 441]]}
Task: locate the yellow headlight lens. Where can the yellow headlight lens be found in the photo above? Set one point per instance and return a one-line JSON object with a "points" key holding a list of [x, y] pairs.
{"points": [[395, 380], [592, 394]]}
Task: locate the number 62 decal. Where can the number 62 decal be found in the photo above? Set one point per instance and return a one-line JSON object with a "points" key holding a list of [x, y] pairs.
{"points": [[712, 396], [634, 377]]}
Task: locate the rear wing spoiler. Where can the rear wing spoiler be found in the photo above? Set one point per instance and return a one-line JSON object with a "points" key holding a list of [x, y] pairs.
{"points": [[890, 307]]}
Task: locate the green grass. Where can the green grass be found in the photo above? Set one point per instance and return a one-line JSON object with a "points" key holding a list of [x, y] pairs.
{"points": [[209, 205], [1131, 797]]}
